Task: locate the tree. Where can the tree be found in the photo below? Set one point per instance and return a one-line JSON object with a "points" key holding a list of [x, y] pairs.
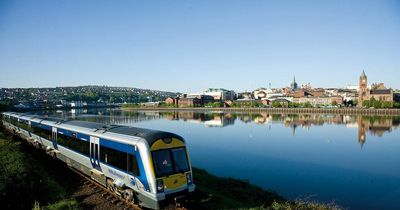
{"points": [[355, 102], [334, 103], [276, 104], [366, 103], [387, 104], [307, 105], [112, 99]]}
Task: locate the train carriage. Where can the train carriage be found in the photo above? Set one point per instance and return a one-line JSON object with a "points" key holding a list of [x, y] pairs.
{"points": [[146, 167]]}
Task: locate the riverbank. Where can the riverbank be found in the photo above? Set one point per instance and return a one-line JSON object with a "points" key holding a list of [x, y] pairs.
{"points": [[344, 111], [31, 179]]}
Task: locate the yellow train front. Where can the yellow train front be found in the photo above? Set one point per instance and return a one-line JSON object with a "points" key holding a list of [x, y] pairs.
{"points": [[171, 169]]}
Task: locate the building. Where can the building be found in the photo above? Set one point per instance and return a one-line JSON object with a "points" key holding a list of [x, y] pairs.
{"points": [[245, 95], [396, 96], [377, 91], [316, 92], [260, 93], [189, 102], [362, 89], [382, 95], [220, 94], [320, 101], [263, 93], [171, 100]]}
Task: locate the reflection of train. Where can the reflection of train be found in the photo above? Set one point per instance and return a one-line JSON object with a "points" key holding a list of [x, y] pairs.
{"points": [[143, 166]]}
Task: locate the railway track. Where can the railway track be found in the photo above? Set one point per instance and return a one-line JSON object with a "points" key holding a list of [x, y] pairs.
{"points": [[105, 193], [112, 198]]}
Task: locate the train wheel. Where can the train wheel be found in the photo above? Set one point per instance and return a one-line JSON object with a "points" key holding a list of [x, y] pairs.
{"points": [[128, 195], [110, 185]]}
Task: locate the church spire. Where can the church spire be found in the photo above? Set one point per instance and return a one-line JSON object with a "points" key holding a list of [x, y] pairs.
{"points": [[363, 74], [294, 83]]}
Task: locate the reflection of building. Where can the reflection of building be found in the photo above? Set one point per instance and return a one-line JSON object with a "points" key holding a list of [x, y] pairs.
{"points": [[262, 118], [362, 128], [208, 119], [376, 125]]}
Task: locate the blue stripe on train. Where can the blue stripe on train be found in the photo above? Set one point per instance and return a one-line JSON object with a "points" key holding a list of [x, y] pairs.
{"points": [[79, 136], [107, 143], [118, 146]]}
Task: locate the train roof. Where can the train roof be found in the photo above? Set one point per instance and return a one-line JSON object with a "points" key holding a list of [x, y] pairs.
{"points": [[148, 134]]}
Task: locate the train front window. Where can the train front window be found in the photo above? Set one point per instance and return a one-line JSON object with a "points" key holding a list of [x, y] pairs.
{"points": [[170, 161], [180, 160], [162, 163]]}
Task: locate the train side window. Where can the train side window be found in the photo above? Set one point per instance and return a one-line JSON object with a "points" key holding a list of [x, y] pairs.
{"points": [[113, 157], [44, 133], [73, 144], [24, 124], [133, 166], [13, 120]]}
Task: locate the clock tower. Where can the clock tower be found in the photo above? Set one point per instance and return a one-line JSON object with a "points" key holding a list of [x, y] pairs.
{"points": [[362, 89]]}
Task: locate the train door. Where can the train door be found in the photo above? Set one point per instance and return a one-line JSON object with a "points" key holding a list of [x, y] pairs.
{"points": [[95, 152], [54, 137]]}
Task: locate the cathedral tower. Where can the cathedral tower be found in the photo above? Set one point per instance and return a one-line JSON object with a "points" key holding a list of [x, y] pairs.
{"points": [[362, 90]]}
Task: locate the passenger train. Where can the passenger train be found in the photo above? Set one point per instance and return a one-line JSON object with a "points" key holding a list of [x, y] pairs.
{"points": [[143, 166]]}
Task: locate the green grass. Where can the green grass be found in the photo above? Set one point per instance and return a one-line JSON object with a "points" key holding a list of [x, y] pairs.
{"points": [[226, 193], [23, 179], [67, 204]]}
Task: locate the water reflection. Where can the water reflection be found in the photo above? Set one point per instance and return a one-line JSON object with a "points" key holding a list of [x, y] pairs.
{"points": [[374, 125]]}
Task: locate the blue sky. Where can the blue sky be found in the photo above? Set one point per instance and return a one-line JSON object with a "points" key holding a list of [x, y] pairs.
{"points": [[192, 45]]}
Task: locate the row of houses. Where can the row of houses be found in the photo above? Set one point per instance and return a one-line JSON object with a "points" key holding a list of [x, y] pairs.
{"points": [[316, 97], [304, 95]]}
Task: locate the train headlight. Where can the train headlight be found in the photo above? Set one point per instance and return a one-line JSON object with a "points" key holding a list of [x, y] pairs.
{"points": [[189, 178], [160, 185]]}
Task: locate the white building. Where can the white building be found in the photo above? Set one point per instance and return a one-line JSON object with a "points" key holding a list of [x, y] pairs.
{"points": [[267, 94], [220, 94]]}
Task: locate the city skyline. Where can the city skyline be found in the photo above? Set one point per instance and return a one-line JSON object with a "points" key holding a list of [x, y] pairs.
{"points": [[188, 46]]}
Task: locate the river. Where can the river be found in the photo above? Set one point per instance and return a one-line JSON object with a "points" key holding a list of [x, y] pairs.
{"points": [[350, 160]]}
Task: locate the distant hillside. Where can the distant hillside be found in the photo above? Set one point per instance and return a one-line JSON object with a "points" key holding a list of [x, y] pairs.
{"points": [[104, 94]]}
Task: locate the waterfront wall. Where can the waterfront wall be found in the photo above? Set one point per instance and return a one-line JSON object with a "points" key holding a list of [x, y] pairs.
{"points": [[344, 111]]}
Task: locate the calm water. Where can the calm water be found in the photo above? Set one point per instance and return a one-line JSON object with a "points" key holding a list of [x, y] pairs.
{"points": [[351, 160]]}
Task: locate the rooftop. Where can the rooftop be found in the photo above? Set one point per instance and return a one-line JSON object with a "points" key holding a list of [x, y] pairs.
{"points": [[381, 92]]}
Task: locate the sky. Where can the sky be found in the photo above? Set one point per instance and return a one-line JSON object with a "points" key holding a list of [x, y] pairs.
{"points": [[188, 46]]}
